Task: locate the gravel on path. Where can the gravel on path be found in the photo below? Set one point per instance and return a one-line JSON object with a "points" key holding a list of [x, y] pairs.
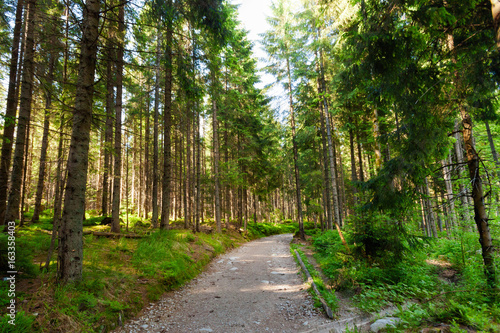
{"points": [[254, 288]]}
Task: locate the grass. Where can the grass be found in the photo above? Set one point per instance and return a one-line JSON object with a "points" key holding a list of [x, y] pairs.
{"points": [[120, 276], [329, 296]]}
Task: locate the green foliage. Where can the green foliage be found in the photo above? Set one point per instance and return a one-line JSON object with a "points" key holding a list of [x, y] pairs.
{"points": [[329, 296], [25, 248], [23, 323], [264, 229]]}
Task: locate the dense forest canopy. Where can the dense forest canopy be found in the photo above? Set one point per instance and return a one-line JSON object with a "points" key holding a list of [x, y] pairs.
{"points": [[116, 108]]}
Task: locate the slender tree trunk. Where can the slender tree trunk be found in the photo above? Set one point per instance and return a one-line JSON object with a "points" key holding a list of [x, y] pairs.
{"points": [[354, 176], [10, 112], [326, 176], [147, 176], [167, 122], [13, 204], [336, 208], [26, 170], [70, 257], [430, 211], [495, 12], [492, 147], [154, 219], [215, 125], [449, 190], [108, 137], [45, 140], [295, 155], [59, 188], [117, 174]]}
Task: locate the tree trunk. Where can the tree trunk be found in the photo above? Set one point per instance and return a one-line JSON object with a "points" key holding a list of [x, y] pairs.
{"points": [[449, 191], [336, 208], [70, 257], [167, 123], [10, 112], [495, 12], [154, 218], [108, 137], [45, 140], [354, 176], [13, 203], [295, 155], [326, 176], [492, 147], [480, 215], [215, 125], [147, 176], [117, 174]]}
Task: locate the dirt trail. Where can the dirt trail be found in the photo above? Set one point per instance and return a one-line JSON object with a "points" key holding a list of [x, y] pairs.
{"points": [[255, 288]]}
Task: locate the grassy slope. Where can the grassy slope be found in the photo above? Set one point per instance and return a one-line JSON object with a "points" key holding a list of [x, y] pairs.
{"points": [[120, 276], [443, 282]]}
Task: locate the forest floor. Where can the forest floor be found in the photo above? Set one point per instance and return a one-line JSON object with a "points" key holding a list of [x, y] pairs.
{"points": [[254, 288]]}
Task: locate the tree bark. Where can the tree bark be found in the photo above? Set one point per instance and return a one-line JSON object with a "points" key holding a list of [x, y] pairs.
{"points": [[167, 122], [480, 215], [495, 12], [154, 218], [45, 140], [494, 152], [302, 234], [215, 125], [108, 137], [336, 208], [449, 191], [12, 212], [10, 112], [117, 174], [70, 258]]}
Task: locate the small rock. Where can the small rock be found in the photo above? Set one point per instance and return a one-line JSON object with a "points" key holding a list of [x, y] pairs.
{"points": [[220, 261], [145, 326], [305, 323], [205, 329], [234, 268], [264, 281], [277, 273], [383, 323]]}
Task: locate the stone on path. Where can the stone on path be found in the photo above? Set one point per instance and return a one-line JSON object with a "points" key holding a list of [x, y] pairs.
{"points": [[383, 323]]}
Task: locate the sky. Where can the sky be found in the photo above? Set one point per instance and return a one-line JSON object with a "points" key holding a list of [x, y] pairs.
{"points": [[253, 14]]}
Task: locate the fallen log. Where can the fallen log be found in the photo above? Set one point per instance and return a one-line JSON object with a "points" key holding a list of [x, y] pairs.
{"points": [[114, 234], [101, 234]]}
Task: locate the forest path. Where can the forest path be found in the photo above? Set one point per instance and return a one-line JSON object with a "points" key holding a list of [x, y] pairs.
{"points": [[254, 288]]}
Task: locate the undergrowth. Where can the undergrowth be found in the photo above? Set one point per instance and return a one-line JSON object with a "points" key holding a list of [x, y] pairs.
{"points": [[414, 284]]}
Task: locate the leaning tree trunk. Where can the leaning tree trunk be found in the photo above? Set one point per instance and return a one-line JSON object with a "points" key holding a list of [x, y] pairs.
{"points": [[12, 212], [10, 112], [480, 215], [70, 258], [494, 152]]}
